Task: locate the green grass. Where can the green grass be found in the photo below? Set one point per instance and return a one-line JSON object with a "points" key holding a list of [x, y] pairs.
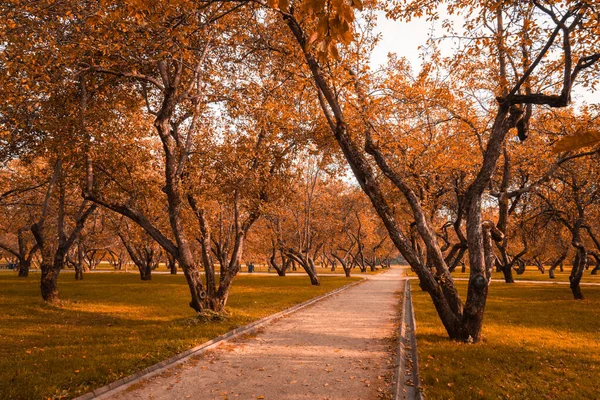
{"points": [[533, 274], [112, 325], [538, 343]]}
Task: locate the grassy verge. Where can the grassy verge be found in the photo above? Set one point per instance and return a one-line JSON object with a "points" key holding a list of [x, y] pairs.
{"points": [[112, 325], [538, 343], [533, 274]]}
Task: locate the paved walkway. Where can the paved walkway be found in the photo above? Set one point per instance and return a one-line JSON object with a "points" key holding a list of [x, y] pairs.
{"points": [[338, 348]]}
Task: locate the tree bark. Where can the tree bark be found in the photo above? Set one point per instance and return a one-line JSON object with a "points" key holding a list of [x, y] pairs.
{"points": [[24, 267], [507, 272], [520, 267], [576, 273], [305, 263], [596, 267], [172, 264], [281, 270], [556, 263], [347, 268], [539, 264], [145, 272], [49, 283], [580, 260]]}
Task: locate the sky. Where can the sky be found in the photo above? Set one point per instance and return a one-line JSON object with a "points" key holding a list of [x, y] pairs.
{"points": [[404, 39]]}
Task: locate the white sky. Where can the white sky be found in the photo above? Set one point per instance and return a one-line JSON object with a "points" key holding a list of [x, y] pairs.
{"points": [[404, 39]]}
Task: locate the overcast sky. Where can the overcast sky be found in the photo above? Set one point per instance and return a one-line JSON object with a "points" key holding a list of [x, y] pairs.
{"points": [[405, 38]]}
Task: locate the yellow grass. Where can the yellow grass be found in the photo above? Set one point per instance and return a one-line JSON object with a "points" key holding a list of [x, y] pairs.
{"points": [[538, 343]]}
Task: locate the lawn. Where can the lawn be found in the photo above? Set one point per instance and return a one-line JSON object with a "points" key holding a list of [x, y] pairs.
{"points": [[538, 343], [533, 274], [112, 325]]}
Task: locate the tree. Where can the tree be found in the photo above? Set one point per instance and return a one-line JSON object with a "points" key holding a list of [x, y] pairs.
{"points": [[142, 249], [15, 235], [54, 251], [568, 200]]}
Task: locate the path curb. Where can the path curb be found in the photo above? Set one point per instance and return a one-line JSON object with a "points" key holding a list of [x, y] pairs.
{"points": [[408, 384], [184, 356]]}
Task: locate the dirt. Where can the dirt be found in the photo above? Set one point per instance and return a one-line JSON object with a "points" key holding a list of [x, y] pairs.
{"points": [[337, 348]]}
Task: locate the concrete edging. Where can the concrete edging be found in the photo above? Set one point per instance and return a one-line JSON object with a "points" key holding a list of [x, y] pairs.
{"points": [[408, 384], [180, 358]]}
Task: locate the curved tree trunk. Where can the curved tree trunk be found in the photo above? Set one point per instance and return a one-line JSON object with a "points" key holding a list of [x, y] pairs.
{"points": [[305, 263], [507, 272], [539, 264], [577, 272], [580, 259], [520, 267], [273, 260], [345, 266], [556, 263]]}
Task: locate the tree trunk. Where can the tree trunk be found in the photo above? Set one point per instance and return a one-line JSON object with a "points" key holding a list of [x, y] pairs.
{"points": [[305, 263], [24, 266], [273, 261], [49, 283], [507, 271], [556, 263], [372, 265], [539, 264], [172, 264], [145, 272], [314, 279], [280, 270], [195, 285], [345, 266], [78, 272], [577, 272], [520, 267], [491, 234]]}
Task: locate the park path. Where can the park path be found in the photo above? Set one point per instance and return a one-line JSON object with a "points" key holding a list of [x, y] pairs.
{"points": [[338, 348]]}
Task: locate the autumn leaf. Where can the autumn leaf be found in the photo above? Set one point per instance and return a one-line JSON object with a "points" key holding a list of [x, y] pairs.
{"points": [[576, 142]]}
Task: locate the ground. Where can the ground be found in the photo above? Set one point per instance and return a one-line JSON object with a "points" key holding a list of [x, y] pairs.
{"points": [[537, 343], [112, 325]]}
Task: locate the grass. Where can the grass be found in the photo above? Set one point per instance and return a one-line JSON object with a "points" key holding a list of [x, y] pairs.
{"points": [[112, 325], [533, 274], [538, 343]]}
